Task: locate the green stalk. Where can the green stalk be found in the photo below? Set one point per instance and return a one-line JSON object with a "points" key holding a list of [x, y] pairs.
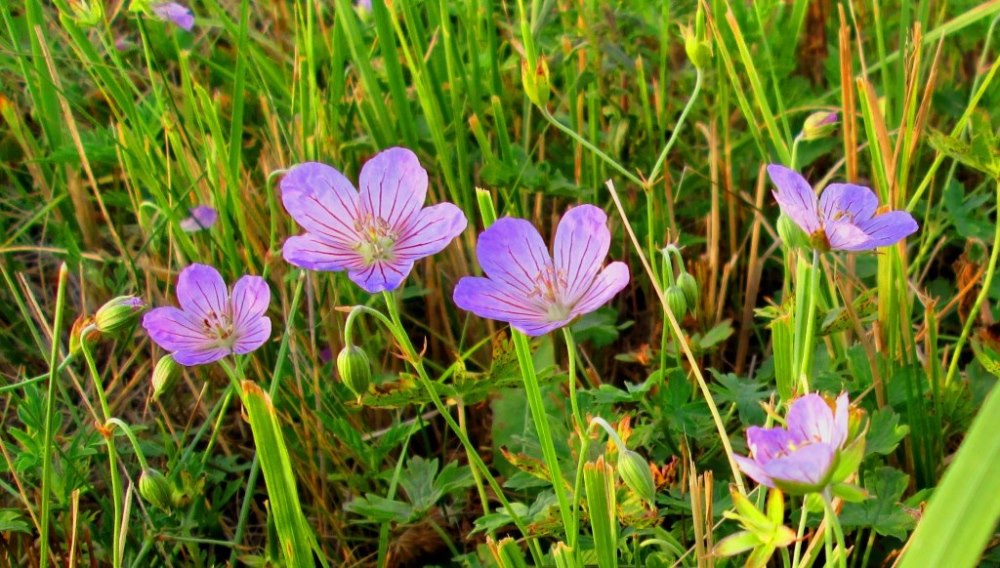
{"points": [[698, 80], [50, 402], [834, 526], [808, 340], [571, 378]]}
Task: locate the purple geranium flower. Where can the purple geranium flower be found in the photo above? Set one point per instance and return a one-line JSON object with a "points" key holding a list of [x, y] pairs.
{"points": [[843, 218], [802, 456], [176, 13], [375, 235], [211, 323], [530, 289], [202, 217]]}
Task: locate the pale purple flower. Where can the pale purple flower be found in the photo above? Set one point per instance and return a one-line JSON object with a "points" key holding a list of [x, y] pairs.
{"points": [[211, 323], [202, 217], [175, 13], [375, 235], [536, 292], [801, 456], [843, 218]]}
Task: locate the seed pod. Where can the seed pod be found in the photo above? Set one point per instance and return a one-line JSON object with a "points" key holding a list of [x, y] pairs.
{"points": [[117, 313], [165, 375], [676, 301], [689, 286], [155, 488], [355, 369], [634, 470]]}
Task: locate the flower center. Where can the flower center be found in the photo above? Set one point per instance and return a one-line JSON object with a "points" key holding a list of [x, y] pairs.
{"points": [[376, 238], [549, 284], [219, 326], [819, 240]]}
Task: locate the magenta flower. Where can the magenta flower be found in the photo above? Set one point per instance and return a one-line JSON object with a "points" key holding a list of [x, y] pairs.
{"points": [[175, 13], [211, 323], [801, 457], [843, 218], [530, 289], [375, 235], [202, 217]]}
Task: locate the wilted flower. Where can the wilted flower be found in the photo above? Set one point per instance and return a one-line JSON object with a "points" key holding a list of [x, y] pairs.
{"points": [[810, 453], [531, 290], [376, 235], [175, 13], [212, 323], [202, 217], [843, 218]]}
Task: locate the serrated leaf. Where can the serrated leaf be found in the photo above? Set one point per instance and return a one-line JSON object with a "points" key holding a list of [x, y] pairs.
{"points": [[882, 511], [746, 394], [884, 432]]}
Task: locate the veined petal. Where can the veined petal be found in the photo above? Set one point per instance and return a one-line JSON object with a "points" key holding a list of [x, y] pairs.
{"points": [[322, 201], [512, 252], [754, 470], [314, 253], [250, 298], [540, 329], [493, 300], [252, 334], [200, 356], [841, 423], [581, 245], [795, 196], [430, 232], [202, 217], [808, 465], [176, 13], [888, 228], [393, 186], [202, 292], [608, 283], [849, 202], [175, 330], [766, 443], [381, 275], [811, 419], [842, 235]]}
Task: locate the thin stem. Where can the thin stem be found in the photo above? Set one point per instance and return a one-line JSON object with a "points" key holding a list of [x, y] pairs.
{"points": [[586, 144], [476, 477], [50, 405], [395, 325], [571, 378], [838, 531], [803, 515], [984, 291], [677, 127], [810, 315], [131, 437]]}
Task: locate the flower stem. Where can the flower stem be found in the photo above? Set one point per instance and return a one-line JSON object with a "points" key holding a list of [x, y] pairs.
{"points": [[50, 405], [808, 340], [571, 379], [677, 127], [798, 536], [833, 522], [395, 325]]}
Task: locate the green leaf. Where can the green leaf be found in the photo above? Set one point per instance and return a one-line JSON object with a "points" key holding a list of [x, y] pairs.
{"points": [[11, 521], [882, 511], [884, 432], [746, 394]]}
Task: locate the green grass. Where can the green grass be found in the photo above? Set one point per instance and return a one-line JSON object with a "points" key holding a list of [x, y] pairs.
{"points": [[103, 151]]}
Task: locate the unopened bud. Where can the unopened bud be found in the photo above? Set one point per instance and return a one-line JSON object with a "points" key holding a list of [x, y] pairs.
{"points": [[117, 313], [155, 488], [689, 286], [87, 13], [165, 375], [536, 81], [819, 125], [676, 301], [635, 472], [791, 234], [698, 49], [355, 369]]}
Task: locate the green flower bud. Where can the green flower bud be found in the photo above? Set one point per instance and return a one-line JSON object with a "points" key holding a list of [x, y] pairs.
{"points": [[536, 81], [117, 313], [635, 472], [155, 489], [689, 286], [698, 49], [87, 13], [676, 301], [355, 369], [165, 375], [791, 234], [819, 125]]}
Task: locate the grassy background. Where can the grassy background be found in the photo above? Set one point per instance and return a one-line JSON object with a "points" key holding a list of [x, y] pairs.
{"points": [[103, 151]]}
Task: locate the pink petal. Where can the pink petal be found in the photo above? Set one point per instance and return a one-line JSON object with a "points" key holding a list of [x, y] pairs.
{"points": [[174, 330], [202, 292], [845, 236], [393, 186], [493, 300], [430, 232], [251, 296], [512, 252], [200, 356], [251, 334], [847, 202], [811, 419], [808, 465], [889, 228], [754, 470], [581, 245], [321, 200], [381, 276], [315, 253], [795, 196], [840, 421], [608, 283]]}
